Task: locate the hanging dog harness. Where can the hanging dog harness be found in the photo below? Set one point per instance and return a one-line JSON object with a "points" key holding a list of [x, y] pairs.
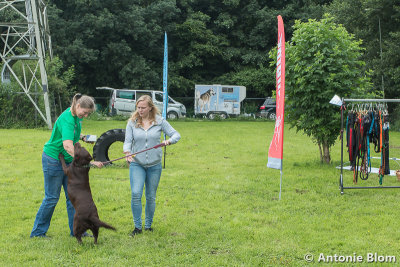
{"points": [[363, 128], [364, 151]]}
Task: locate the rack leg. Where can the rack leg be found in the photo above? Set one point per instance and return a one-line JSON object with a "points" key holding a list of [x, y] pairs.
{"points": [[341, 150]]}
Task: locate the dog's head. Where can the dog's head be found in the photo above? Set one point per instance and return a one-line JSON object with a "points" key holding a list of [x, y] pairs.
{"points": [[81, 155], [212, 92]]}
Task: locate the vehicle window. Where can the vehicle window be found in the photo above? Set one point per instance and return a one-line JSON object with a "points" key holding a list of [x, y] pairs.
{"points": [[159, 97], [126, 95], [269, 101], [170, 100], [139, 94], [227, 90]]}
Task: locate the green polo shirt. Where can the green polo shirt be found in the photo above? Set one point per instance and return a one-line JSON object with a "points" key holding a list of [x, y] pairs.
{"points": [[67, 127]]}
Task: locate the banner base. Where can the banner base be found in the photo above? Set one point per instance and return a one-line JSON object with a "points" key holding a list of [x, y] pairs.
{"points": [[274, 163]]}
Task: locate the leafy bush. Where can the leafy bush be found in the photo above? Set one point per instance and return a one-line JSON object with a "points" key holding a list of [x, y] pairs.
{"points": [[16, 110]]}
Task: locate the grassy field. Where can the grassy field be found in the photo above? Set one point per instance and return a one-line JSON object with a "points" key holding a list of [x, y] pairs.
{"points": [[217, 204]]}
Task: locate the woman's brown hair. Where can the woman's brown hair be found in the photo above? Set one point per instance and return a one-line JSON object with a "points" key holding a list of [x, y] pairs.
{"points": [[84, 101]]}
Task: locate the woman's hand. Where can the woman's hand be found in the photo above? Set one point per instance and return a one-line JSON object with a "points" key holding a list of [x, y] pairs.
{"points": [[98, 164], [167, 142], [129, 159]]}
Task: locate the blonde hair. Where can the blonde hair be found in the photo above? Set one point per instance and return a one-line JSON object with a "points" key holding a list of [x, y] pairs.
{"points": [[152, 114], [84, 101]]}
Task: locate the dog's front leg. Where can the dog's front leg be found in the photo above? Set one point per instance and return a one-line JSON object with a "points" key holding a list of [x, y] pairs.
{"points": [[64, 165]]}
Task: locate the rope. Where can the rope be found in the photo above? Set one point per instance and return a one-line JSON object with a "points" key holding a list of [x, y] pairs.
{"points": [[133, 154]]}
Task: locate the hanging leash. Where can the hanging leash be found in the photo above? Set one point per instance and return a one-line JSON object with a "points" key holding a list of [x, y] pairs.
{"points": [[365, 126], [364, 151], [385, 146], [358, 140], [376, 132], [381, 149], [369, 137], [350, 134], [352, 130]]}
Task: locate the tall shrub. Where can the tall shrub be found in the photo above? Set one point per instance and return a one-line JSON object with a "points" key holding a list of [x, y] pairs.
{"points": [[322, 60]]}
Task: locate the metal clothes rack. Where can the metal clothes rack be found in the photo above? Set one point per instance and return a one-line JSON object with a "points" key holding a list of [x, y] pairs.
{"points": [[344, 100]]}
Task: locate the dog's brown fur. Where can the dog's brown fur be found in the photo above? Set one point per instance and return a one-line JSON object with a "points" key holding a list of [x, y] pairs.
{"points": [[86, 216]]}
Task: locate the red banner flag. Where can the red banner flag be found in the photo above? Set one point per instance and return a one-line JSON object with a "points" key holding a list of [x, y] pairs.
{"points": [[275, 153]]}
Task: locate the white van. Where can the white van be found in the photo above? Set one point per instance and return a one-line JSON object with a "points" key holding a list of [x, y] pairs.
{"points": [[123, 102]]}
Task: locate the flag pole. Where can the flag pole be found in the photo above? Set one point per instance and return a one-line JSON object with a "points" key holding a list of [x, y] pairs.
{"points": [[280, 186], [165, 152], [165, 88], [275, 152]]}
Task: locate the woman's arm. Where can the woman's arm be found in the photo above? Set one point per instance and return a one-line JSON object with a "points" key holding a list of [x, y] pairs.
{"points": [[128, 141], [171, 132], [69, 147]]}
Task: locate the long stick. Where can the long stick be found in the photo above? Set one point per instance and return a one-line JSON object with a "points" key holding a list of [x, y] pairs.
{"points": [[154, 147]]}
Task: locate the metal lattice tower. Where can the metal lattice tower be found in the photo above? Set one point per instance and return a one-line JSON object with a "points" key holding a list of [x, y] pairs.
{"points": [[24, 39]]}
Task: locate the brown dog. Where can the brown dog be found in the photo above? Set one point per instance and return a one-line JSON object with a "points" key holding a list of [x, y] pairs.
{"points": [[86, 216]]}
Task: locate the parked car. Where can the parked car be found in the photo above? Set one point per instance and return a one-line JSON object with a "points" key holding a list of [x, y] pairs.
{"points": [[123, 102], [267, 109]]}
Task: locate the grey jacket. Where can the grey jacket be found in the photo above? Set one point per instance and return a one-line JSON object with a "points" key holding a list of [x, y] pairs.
{"points": [[137, 139]]}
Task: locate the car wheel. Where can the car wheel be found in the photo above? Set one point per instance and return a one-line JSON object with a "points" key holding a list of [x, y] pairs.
{"points": [[272, 116], [211, 116], [223, 116], [172, 115]]}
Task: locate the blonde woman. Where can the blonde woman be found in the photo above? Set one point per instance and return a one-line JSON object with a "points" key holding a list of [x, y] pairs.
{"points": [[66, 132], [144, 131]]}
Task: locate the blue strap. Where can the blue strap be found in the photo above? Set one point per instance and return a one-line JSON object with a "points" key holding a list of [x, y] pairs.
{"points": [[372, 125]]}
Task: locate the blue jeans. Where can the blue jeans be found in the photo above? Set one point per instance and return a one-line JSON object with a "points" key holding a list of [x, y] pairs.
{"points": [[140, 176], [54, 178]]}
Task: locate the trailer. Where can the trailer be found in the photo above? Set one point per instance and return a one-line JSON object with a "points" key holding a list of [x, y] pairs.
{"points": [[221, 100]]}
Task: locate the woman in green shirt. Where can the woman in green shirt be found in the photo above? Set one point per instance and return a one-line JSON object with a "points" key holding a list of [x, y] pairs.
{"points": [[66, 132]]}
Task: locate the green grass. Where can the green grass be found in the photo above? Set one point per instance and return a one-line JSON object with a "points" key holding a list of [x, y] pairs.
{"points": [[217, 204]]}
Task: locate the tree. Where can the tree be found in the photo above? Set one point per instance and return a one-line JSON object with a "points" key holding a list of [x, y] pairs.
{"points": [[323, 59], [120, 43], [372, 21], [112, 43], [61, 91]]}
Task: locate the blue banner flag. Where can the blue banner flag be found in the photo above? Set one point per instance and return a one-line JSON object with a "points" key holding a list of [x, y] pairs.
{"points": [[165, 78]]}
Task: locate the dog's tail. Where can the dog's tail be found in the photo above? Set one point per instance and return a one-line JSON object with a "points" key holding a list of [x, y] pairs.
{"points": [[105, 225]]}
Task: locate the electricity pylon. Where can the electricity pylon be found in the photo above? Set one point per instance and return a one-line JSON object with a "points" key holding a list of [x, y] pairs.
{"points": [[25, 38]]}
